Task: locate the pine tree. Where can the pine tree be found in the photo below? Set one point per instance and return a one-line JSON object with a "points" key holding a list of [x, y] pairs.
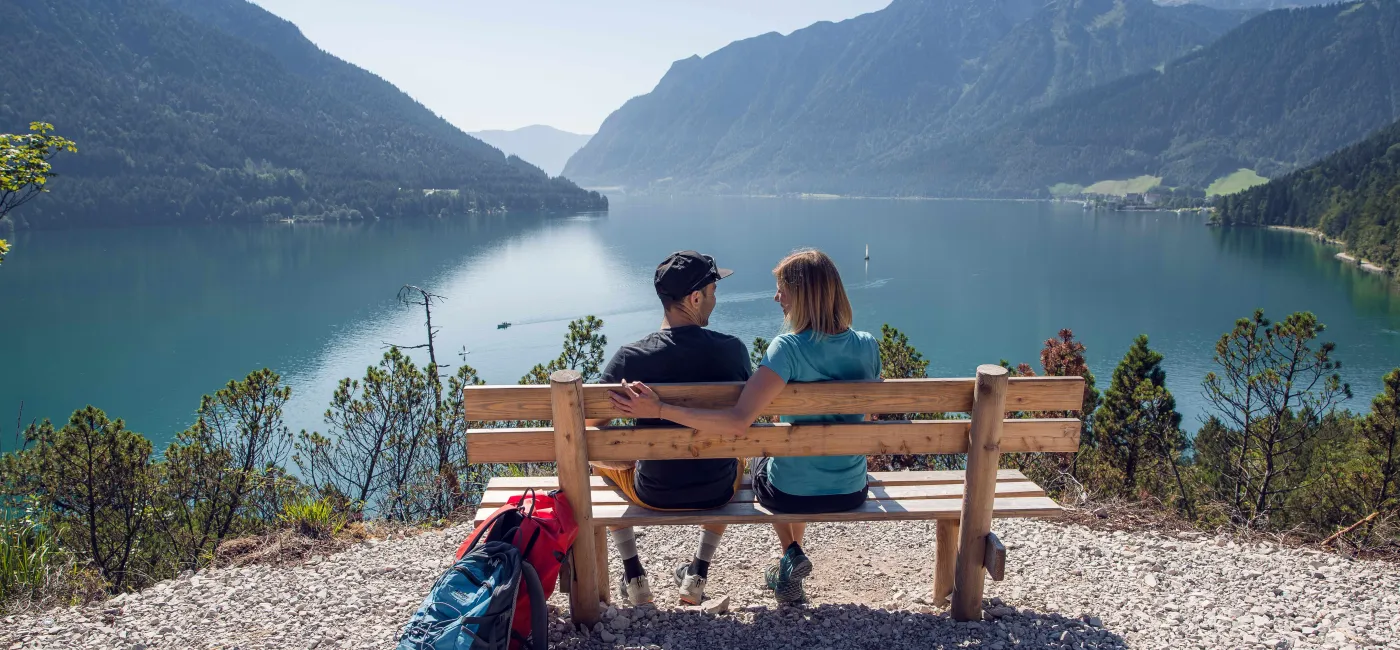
{"points": [[1274, 386], [1381, 432], [1137, 427], [898, 359], [583, 351]]}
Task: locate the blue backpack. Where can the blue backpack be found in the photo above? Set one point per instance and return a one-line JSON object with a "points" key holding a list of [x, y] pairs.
{"points": [[472, 605]]}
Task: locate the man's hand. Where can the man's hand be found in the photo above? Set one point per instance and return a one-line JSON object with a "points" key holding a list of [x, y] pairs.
{"points": [[637, 400]]}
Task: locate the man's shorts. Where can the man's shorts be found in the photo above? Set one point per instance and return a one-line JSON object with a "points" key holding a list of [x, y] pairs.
{"points": [[625, 480]]}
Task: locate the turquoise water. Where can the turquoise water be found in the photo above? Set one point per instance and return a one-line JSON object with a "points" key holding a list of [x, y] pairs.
{"points": [[141, 322]]}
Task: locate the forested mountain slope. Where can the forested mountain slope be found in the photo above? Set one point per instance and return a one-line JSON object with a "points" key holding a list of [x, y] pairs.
{"points": [[1070, 46], [194, 110], [799, 112], [1281, 91], [1353, 195]]}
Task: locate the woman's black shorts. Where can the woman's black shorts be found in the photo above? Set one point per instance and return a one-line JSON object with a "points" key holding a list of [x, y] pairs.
{"points": [[778, 501]]}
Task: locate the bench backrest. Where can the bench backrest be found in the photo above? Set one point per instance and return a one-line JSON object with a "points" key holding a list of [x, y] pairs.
{"points": [[949, 436]]}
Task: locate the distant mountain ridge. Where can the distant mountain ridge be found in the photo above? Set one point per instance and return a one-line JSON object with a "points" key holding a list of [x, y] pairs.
{"points": [[799, 112], [193, 110], [543, 146]]}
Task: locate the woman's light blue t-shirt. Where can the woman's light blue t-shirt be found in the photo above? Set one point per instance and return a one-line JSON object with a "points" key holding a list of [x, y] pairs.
{"points": [[803, 357]]}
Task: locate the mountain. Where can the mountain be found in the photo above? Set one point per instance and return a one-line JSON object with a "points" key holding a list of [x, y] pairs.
{"points": [[1352, 195], [1074, 45], [545, 146], [1259, 5], [193, 110], [798, 112], [1281, 91]]}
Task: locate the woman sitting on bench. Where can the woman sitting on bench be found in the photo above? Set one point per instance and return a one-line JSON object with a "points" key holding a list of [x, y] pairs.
{"points": [[817, 344]]}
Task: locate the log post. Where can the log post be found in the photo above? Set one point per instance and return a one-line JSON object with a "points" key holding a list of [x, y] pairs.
{"points": [[979, 490], [600, 542], [571, 453], [946, 542]]}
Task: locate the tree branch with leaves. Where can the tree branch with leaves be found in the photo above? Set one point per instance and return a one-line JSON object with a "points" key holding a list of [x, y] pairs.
{"points": [[25, 169]]}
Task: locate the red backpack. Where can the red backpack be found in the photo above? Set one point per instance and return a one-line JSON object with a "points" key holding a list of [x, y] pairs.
{"points": [[542, 527]]}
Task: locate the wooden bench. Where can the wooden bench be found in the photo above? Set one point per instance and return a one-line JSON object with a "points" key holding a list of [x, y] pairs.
{"points": [[963, 502]]}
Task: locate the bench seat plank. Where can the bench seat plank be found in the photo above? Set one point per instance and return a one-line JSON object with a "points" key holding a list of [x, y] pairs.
{"points": [[876, 510], [874, 478]]}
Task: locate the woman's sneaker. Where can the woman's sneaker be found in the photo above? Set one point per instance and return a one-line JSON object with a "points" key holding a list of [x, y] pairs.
{"points": [[636, 592], [785, 577], [692, 585]]}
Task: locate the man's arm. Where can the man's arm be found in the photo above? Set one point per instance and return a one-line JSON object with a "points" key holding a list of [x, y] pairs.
{"points": [[611, 375]]}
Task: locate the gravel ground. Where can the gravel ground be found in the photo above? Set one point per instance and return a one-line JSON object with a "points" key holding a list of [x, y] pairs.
{"points": [[1066, 587]]}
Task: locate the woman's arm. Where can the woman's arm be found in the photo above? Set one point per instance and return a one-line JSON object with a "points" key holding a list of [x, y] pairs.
{"points": [[640, 401]]}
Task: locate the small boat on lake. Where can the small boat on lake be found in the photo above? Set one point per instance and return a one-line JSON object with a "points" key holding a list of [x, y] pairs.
{"points": [[502, 326], [867, 252]]}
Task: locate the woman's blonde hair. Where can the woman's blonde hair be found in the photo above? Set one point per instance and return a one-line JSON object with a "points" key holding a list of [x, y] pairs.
{"points": [[817, 299]]}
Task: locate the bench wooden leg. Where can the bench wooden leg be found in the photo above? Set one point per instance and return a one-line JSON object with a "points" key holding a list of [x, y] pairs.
{"points": [[600, 542], [946, 536], [571, 453], [979, 491]]}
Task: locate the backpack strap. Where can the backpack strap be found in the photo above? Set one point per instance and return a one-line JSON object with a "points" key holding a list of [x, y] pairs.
{"points": [[530, 545], [539, 614], [481, 530]]}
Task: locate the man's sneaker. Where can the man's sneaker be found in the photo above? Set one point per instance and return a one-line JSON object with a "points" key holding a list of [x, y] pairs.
{"points": [[636, 592], [785, 577], [692, 585]]}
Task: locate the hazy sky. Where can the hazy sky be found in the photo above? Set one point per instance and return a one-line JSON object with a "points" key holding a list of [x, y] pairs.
{"points": [[566, 63]]}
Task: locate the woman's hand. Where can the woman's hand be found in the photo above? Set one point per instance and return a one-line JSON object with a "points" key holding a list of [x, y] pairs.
{"points": [[637, 400]]}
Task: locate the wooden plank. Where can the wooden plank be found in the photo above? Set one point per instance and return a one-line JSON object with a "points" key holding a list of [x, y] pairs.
{"points": [[873, 478], [817, 439], [752, 513], [944, 560], [995, 559], [496, 498], [573, 478], [983, 454], [503, 403]]}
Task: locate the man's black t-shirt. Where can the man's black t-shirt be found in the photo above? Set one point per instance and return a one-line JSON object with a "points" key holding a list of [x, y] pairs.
{"points": [[680, 355]]}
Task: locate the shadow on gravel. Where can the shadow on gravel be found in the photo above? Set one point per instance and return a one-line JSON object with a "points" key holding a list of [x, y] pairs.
{"points": [[843, 626]]}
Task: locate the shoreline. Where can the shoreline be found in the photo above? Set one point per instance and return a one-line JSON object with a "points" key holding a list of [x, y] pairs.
{"points": [[1364, 264]]}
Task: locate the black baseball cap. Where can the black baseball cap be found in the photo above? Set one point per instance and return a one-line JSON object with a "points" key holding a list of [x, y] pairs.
{"points": [[685, 272]]}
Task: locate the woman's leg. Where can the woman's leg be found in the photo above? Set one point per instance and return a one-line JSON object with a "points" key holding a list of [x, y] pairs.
{"points": [[789, 533], [785, 535]]}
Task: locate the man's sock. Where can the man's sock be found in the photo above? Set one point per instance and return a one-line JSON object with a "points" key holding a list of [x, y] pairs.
{"points": [[708, 543], [626, 541], [794, 549]]}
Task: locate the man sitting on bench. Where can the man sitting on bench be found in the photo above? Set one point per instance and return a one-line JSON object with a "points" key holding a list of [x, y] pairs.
{"points": [[682, 351]]}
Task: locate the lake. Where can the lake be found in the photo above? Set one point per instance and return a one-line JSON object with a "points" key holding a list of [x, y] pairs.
{"points": [[142, 321]]}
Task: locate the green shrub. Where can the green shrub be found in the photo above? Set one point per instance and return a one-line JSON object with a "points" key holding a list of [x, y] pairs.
{"points": [[315, 518]]}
